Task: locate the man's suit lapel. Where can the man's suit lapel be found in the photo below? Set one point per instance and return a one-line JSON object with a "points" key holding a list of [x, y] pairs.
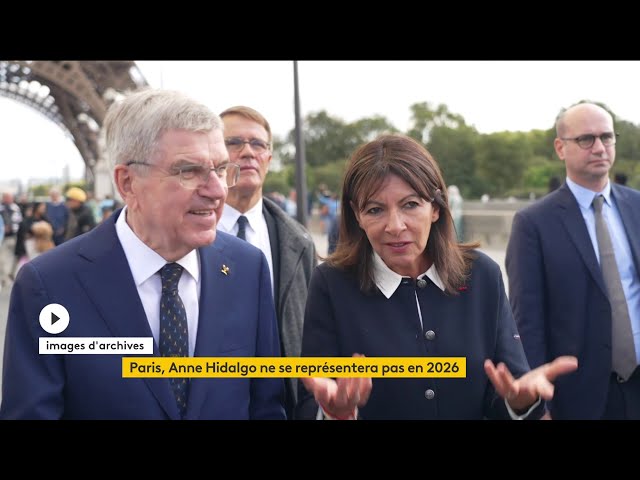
{"points": [[213, 297], [274, 240], [213, 263], [630, 215], [288, 256], [110, 285], [571, 216], [286, 261]]}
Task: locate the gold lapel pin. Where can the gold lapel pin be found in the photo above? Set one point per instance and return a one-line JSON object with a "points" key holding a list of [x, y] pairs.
{"points": [[225, 269]]}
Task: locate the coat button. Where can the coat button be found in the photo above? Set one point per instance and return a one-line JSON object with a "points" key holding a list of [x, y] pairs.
{"points": [[430, 335], [429, 394], [422, 283]]}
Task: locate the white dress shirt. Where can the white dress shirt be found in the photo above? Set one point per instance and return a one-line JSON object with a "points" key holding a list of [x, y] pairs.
{"points": [[257, 233], [145, 264], [388, 281]]}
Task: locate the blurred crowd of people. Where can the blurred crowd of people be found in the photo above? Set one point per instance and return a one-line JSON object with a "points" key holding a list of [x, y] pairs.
{"points": [[29, 228], [323, 201]]}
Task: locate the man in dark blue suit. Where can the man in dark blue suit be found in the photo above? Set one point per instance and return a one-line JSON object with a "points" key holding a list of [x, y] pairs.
{"points": [[557, 290], [172, 169]]}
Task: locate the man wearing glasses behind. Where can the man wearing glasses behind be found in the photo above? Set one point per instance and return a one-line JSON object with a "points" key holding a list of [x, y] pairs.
{"points": [[573, 260], [157, 268], [287, 245]]}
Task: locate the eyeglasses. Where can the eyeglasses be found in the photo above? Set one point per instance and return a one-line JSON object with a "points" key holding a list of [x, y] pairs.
{"points": [[194, 176], [586, 141], [236, 144]]}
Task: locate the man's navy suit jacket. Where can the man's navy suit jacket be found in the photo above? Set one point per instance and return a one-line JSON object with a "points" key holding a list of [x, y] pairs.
{"points": [[559, 298], [91, 278]]}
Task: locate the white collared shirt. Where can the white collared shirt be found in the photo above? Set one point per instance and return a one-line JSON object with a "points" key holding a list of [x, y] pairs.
{"points": [[388, 281], [257, 233], [145, 264]]}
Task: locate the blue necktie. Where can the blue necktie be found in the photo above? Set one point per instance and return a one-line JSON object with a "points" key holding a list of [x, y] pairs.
{"points": [[174, 331], [242, 227]]}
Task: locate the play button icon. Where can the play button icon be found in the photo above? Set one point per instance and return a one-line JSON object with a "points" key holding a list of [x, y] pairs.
{"points": [[54, 318]]}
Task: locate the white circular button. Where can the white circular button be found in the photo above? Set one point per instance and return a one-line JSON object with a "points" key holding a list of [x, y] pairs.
{"points": [[54, 318]]}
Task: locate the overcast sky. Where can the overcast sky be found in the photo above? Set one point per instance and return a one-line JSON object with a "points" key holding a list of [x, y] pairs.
{"points": [[491, 95]]}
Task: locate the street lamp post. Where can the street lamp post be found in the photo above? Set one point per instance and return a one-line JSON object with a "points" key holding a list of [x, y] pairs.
{"points": [[301, 179]]}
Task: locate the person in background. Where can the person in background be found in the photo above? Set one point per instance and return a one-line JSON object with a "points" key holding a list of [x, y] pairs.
{"points": [[456, 203], [81, 218], [58, 215], [156, 268], [291, 203], [25, 239], [400, 285], [559, 257], [333, 235], [107, 203], [554, 184], [12, 217], [287, 245], [42, 232], [106, 213], [39, 233], [23, 203], [93, 206], [24, 230], [620, 178], [329, 206]]}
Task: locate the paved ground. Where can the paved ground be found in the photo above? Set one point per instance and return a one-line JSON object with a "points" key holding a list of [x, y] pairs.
{"points": [[321, 245]]}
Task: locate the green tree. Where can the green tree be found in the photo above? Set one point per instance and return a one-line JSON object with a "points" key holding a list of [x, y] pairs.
{"points": [[536, 176], [504, 163], [452, 142], [455, 152], [424, 119], [278, 181], [541, 142], [367, 129], [326, 139], [331, 174], [627, 149], [502, 159], [329, 142], [40, 190]]}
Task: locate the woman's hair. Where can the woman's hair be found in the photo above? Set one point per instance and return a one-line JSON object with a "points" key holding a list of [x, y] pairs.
{"points": [[43, 233], [40, 208], [133, 126], [368, 167]]}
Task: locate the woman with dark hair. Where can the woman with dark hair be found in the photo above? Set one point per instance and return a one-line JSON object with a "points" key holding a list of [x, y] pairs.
{"points": [[26, 245], [400, 285]]}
